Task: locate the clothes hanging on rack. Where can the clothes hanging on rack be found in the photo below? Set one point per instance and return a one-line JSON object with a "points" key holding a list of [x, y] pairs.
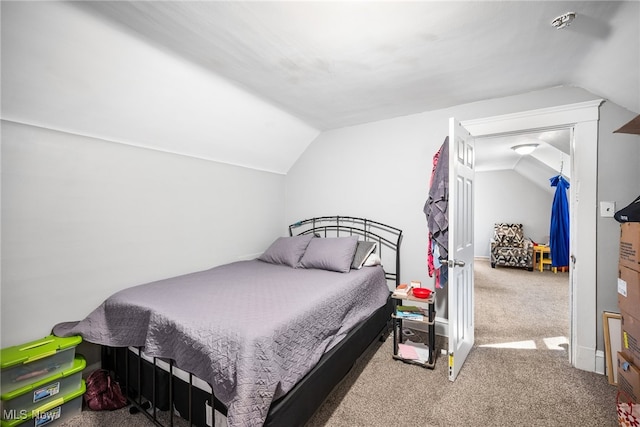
{"points": [[430, 247], [559, 230], [437, 213]]}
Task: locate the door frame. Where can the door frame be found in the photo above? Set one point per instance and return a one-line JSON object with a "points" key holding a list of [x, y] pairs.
{"points": [[583, 119]]}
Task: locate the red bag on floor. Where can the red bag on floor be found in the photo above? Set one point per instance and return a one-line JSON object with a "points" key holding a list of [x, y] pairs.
{"points": [[628, 412], [103, 392]]}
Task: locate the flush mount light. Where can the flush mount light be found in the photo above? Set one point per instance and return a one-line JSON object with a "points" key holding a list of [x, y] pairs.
{"points": [[524, 149], [563, 21]]}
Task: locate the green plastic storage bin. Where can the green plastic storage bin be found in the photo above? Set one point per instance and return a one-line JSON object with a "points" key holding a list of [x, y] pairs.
{"points": [[52, 413], [27, 363], [41, 392]]}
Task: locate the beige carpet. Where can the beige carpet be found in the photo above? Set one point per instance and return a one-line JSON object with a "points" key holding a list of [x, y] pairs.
{"points": [[531, 385]]}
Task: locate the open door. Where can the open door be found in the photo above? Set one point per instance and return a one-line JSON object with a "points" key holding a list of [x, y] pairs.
{"points": [[460, 281]]}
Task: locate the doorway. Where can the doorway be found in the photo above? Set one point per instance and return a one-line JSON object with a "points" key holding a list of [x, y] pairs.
{"points": [[515, 188], [583, 119]]}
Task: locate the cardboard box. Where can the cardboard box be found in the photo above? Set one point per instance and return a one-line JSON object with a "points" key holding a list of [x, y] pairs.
{"points": [[629, 291], [630, 245], [628, 377], [630, 337], [632, 127]]}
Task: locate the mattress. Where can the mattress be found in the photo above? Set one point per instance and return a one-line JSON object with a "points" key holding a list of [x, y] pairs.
{"points": [[250, 329]]}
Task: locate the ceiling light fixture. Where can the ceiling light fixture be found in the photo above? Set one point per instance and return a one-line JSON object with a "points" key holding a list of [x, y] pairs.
{"points": [[563, 21], [524, 149]]}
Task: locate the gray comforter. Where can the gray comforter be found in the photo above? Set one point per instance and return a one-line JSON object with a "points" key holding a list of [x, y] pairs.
{"points": [[251, 329]]}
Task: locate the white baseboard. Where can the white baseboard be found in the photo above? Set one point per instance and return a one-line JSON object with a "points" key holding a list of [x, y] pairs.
{"points": [[585, 359], [248, 257], [90, 368], [442, 326], [600, 362]]}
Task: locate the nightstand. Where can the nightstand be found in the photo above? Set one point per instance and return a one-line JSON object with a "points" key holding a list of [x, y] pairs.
{"points": [[404, 349]]}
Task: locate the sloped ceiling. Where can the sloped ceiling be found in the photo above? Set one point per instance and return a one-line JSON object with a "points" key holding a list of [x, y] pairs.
{"points": [[63, 69], [253, 83], [551, 156], [341, 63]]}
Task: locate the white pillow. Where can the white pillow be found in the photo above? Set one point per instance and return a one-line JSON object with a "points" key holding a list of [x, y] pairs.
{"points": [[372, 260], [363, 250]]}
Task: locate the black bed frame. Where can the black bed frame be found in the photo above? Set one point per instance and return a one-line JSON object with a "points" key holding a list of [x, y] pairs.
{"points": [[387, 237], [152, 388]]}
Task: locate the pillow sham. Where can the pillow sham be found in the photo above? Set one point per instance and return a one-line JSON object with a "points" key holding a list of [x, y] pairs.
{"points": [[330, 253], [372, 260], [286, 250], [363, 250]]}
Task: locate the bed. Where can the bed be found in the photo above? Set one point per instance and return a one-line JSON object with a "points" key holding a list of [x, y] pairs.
{"points": [[271, 337]]}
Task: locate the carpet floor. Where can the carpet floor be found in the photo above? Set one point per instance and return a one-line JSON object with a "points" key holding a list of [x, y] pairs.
{"points": [[517, 374]]}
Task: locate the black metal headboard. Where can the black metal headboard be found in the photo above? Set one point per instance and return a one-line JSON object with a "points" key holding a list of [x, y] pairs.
{"points": [[387, 237]]}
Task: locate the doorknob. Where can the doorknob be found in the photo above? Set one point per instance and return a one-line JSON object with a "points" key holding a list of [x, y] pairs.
{"points": [[573, 259], [456, 263]]}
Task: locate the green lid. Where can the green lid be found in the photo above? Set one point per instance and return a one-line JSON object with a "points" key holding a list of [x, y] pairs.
{"points": [[47, 407], [34, 350], [78, 365]]}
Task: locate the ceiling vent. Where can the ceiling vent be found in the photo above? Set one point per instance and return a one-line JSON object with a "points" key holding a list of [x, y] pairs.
{"points": [[563, 21]]}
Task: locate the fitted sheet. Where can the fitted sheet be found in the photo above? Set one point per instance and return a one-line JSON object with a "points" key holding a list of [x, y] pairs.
{"points": [[251, 329]]}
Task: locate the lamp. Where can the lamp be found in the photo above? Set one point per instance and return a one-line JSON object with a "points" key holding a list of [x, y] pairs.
{"points": [[524, 149]]}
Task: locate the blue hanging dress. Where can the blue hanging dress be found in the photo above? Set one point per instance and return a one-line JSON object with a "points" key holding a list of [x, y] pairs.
{"points": [[559, 231]]}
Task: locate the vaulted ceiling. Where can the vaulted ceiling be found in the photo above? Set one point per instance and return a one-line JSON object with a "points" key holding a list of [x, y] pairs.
{"points": [[253, 83], [341, 63], [550, 157]]}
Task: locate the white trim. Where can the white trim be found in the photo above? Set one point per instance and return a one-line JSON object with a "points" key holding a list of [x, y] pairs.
{"points": [[600, 362], [248, 257], [442, 327], [90, 368], [141, 146], [583, 119], [562, 115]]}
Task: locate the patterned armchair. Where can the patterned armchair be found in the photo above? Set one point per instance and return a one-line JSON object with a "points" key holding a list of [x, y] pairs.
{"points": [[510, 248]]}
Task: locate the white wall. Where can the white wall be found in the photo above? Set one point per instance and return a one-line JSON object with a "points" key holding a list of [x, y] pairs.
{"points": [[381, 171], [83, 218], [65, 69], [506, 196], [619, 182]]}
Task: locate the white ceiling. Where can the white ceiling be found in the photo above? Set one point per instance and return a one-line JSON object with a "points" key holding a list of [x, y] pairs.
{"points": [[254, 83], [551, 156], [340, 63]]}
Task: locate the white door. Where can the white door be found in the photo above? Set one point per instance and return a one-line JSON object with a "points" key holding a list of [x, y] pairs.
{"points": [[460, 281]]}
